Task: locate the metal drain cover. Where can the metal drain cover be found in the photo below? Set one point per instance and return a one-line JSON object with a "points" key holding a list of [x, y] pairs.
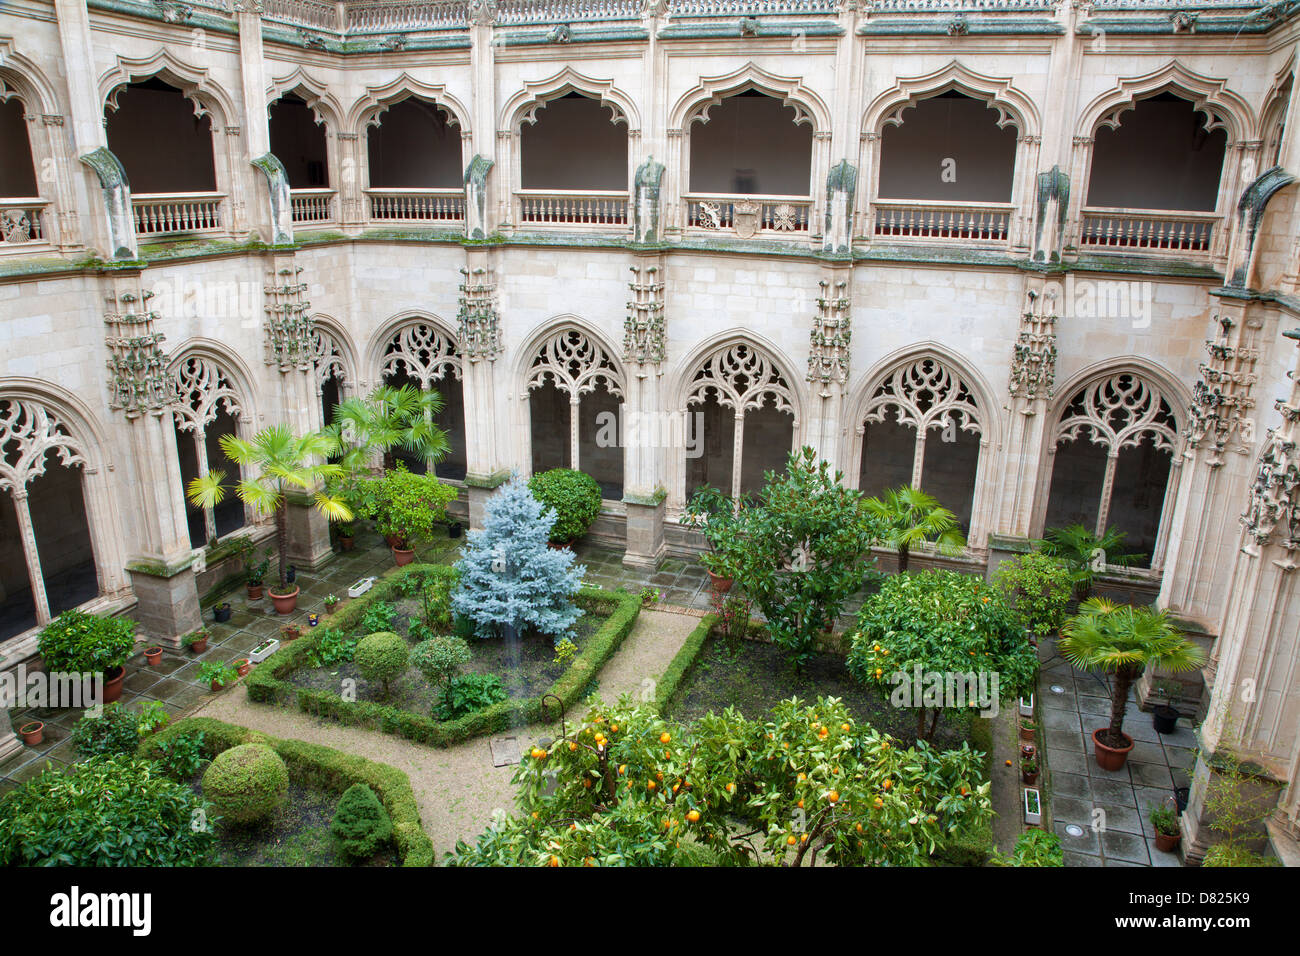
{"points": [[1057, 689], [1074, 830], [505, 751]]}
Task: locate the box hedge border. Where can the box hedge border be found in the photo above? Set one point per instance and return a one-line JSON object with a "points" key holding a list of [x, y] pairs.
{"points": [[268, 684], [317, 766], [679, 668]]}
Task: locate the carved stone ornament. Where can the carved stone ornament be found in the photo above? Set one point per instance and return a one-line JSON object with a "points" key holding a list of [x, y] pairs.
{"points": [[1033, 357]]}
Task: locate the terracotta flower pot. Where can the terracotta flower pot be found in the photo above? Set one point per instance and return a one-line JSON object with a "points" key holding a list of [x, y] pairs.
{"points": [[1168, 842], [347, 543], [1029, 778], [216, 686], [1028, 733], [254, 592], [285, 603], [403, 557], [243, 666], [199, 646], [113, 684], [721, 583], [1111, 758], [153, 655], [393, 540], [33, 732]]}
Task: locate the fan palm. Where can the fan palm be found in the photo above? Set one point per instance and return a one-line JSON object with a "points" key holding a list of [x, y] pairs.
{"points": [[280, 462], [909, 517], [1086, 553], [390, 418], [1123, 640]]}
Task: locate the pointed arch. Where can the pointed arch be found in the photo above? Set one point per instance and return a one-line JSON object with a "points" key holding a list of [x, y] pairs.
{"points": [[333, 352], [316, 93], [1222, 108], [22, 77], [195, 82], [572, 354], [694, 105], [1014, 107], [522, 107], [418, 344], [376, 99]]}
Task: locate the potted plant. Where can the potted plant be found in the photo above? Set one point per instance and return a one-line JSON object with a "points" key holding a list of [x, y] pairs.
{"points": [[331, 602], [909, 517], [255, 575], [1033, 806], [649, 596], [1165, 822], [79, 643], [280, 463], [713, 514], [388, 418], [347, 536], [455, 529], [411, 506], [221, 613], [242, 666], [1038, 588], [1164, 717], [573, 496], [1029, 770], [217, 675], [153, 655], [1029, 730], [1122, 640], [1026, 706], [33, 732], [290, 632], [197, 640]]}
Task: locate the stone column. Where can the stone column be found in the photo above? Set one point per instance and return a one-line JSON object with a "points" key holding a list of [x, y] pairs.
{"points": [[161, 571], [479, 342], [829, 363], [649, 430]]}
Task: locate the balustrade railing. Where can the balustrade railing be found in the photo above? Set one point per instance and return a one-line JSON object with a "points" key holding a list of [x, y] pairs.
{"points": [[941, 222], [376, 16], [312, 205], [566, 11], [21, 221], [748, 216], [585, 208], [160, 214], [303, 13], [416, 205], [1145, 230]]}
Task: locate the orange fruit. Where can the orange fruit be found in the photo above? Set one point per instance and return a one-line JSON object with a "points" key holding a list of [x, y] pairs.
{"points": [[555, 861], [833, 796], [693, 816], [791, 840], [650, 785], [844, 727], [731, 788], [665, 738]]}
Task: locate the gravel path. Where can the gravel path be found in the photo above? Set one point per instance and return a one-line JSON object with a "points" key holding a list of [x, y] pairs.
{"points": [[457, 788]]}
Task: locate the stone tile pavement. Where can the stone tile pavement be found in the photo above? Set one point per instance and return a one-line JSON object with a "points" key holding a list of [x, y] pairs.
{"points": [[1071, 704]]}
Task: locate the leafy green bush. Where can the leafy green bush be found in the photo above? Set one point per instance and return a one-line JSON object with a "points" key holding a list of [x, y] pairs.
{"points": [[105, 811], [77, 642], [439, 658], [361, 824], [435, 598], [1037, 848], [464, 695], [382, 657], [181, 756], [153, 716], [246, 784], [1038, 588], [380, 616], [411, 505], [574, 496], [333, 647], [117, 731]]}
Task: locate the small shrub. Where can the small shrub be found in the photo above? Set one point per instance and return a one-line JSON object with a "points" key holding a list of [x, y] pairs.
{"points": [[246, 784], [117, 731], [220, 674], [181, 757], [106, 811], [565, 651], [469, 693], [1037, 848], [378, 617], [574, 496], [382, 657], [153, 716], [333, 647], [440, 658], [1038, 589], [80, 643], [361, 824]]}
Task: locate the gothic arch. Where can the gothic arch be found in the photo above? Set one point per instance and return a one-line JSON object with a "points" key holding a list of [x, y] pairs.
{"points": [[194, 81], [214, 378], [36, 418], [1014, 107], [315, 93], [523, 105], [418, 343], [22, 77], [1273, 111], [333, 352], [1222, 108], [694, 105], [372, 104]]}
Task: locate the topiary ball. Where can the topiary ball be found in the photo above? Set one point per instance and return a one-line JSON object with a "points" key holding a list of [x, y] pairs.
{"points": [[246, 783], [361, 824], [575, 496], [381, 657]]}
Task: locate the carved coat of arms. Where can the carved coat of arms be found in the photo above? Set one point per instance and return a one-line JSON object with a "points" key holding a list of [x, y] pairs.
{"points": [[745, 218]]}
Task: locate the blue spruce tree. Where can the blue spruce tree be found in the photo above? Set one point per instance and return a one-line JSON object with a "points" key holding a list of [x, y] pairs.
{"points": [[508, 576]]}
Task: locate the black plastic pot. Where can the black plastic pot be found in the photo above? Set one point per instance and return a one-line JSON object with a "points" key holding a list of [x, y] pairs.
{"points": [[1165, 719], [290, 573], [454, 530], [1181, 795], [221, 613]]}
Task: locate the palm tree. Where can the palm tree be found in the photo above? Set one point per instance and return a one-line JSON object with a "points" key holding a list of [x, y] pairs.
{"points": [[1086, 553], [1123, 640], [280, 462], [390, 418], [909, 517]]}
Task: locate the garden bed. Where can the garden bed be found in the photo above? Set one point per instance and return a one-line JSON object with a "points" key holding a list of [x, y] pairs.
{"points": [[289, 678], [318, 777], [754, 676]]}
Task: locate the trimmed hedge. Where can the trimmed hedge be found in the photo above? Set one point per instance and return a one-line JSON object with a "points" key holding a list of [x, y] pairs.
{"points": [[268, 685], [321, 767], [674, 676]]}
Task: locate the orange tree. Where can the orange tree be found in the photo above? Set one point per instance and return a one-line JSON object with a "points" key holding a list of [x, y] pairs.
{"points": [[952, 634], [629, 788]]}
